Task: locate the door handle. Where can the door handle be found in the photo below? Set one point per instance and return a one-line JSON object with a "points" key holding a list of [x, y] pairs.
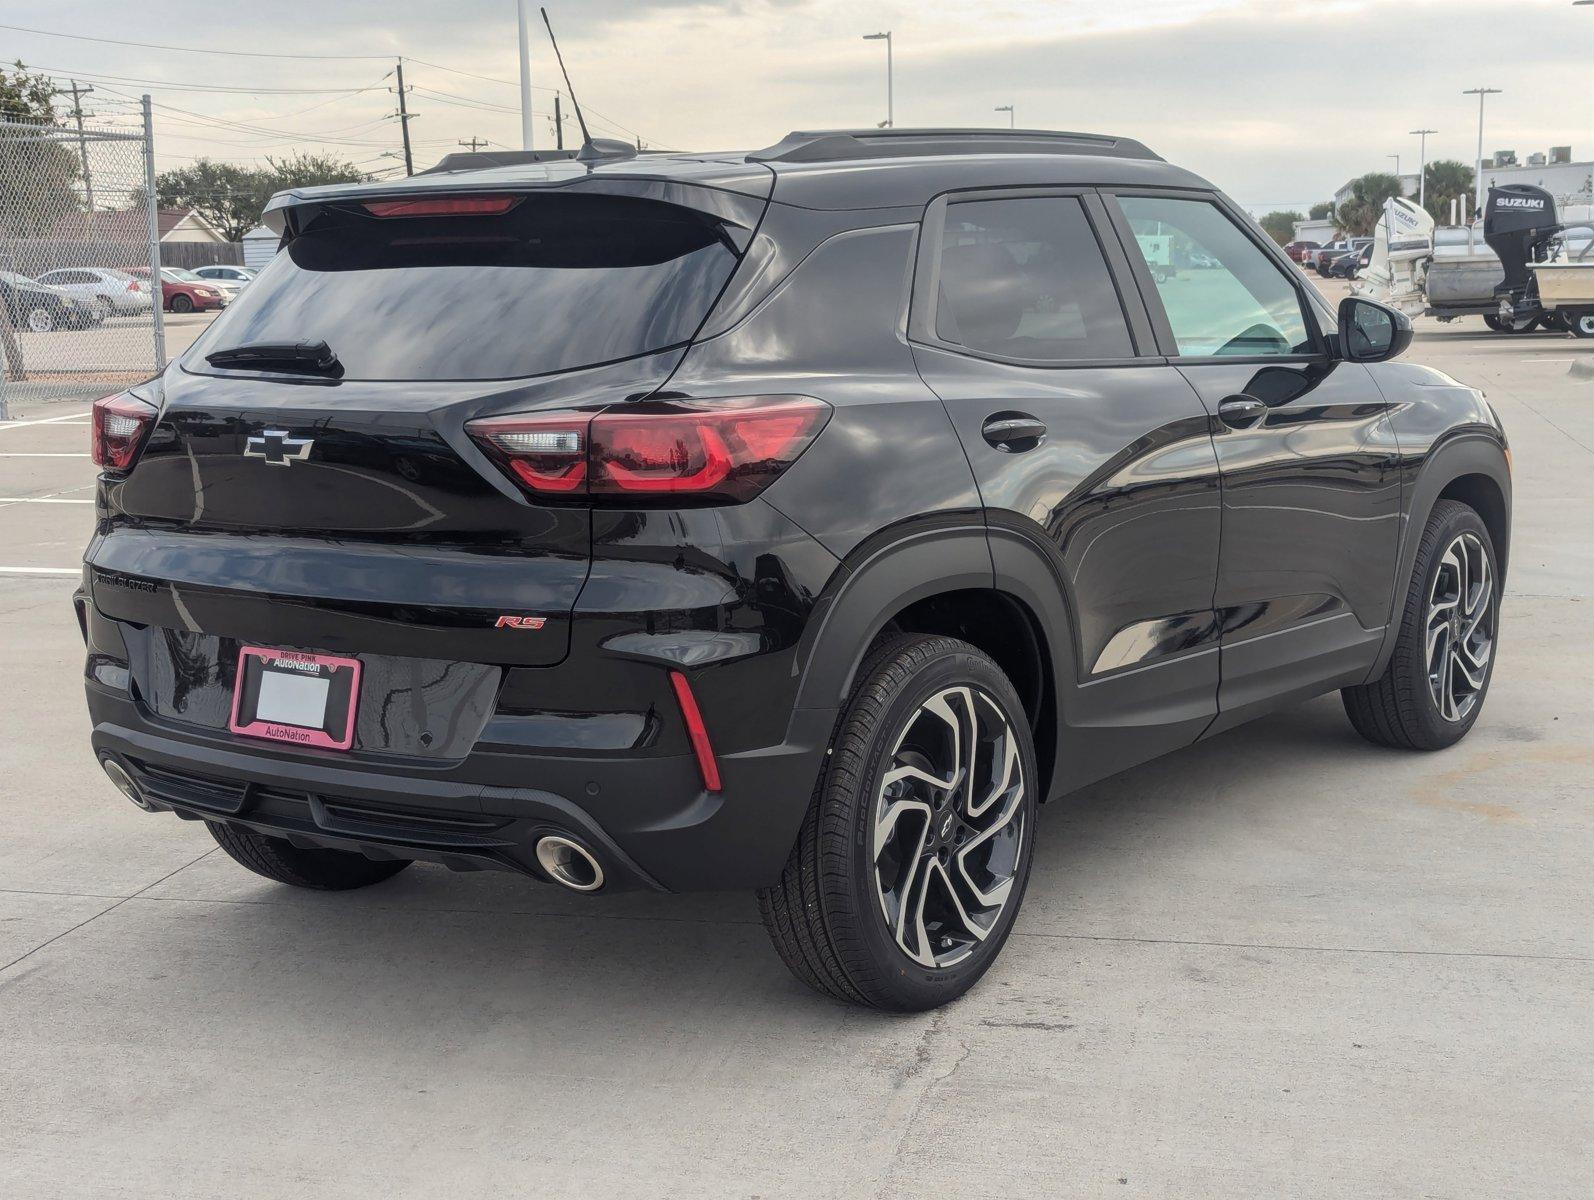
{"points": [[1237, 412], [1013, 433]]}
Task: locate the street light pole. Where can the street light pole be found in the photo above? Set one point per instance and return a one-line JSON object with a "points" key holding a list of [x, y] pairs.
{"points": [[1008, 109], [1396, 157], [1481, 93], [891, 116], [1422, 166], [525, 76]]}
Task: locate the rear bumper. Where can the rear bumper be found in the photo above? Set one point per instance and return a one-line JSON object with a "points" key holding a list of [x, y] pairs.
{"points": [[647, 820]]}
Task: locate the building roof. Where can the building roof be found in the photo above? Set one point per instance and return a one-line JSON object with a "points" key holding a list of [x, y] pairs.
{"points": [[826, 170], [128, 225]]}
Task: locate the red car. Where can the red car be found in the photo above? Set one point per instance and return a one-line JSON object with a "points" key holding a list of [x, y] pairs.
{"points": [[184, 292], [1297, 250]]}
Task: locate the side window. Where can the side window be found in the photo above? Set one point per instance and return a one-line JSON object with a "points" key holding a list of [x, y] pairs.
{"points": [[1025, 278], [1222, 294]]}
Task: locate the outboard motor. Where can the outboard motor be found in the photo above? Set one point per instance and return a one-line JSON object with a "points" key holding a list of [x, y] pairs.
{"points": [[1518, 224]]}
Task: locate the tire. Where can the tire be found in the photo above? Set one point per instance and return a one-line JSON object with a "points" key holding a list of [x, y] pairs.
{"points": [[41, 320], [1499, 326], [1408, 707], [1579, 322], [181, 304], [828, 915], [319, 870]]}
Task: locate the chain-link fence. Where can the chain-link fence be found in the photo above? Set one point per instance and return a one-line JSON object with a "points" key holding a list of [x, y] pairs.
{"points": [[80, 311]]}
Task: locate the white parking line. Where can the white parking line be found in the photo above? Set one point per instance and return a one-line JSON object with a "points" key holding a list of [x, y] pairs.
{"points": [[43, 500], [41, 570], [39, 454], [78, 417]]}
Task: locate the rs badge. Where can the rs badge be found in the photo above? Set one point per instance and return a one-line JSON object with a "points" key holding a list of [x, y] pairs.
{"points": [[507, 622]]}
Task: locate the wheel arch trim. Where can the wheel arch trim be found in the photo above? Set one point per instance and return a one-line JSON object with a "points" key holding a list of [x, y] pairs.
{"points": [[1475, 451], [908, 565]]}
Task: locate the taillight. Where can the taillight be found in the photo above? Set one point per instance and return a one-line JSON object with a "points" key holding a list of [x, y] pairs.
{"points": [[121, 422], [724, 450], [132, 285]]}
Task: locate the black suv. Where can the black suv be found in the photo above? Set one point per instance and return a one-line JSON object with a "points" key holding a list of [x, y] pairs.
{"points": [[795, 521]]}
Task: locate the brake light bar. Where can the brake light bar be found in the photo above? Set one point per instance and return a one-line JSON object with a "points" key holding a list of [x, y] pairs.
{"points": [[120, 425], [442, 206], [726, 450]]}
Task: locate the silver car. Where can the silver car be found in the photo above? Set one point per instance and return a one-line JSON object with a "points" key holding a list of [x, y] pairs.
{"points": [[227, 274], [108, 292]]}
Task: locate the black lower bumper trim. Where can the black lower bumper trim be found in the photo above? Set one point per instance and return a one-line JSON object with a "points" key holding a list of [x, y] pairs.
{"points": [[452, 830]]}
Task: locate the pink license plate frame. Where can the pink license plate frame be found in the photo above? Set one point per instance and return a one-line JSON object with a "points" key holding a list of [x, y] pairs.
{"points": [[343, 697]]}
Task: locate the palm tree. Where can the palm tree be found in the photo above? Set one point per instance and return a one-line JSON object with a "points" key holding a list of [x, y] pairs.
{"points": [[1444, 179], [1359, 215]]}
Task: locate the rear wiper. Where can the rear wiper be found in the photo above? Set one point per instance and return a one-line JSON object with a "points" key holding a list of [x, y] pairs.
{"points": [[310, 358]]}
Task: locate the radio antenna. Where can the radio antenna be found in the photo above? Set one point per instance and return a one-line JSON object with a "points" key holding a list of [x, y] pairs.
{"points": [[587, 148]]}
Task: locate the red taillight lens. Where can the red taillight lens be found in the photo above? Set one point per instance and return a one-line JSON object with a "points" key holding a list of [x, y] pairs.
{"points": [[724, 450], [132, 285], [121, 422], [443, 206]]}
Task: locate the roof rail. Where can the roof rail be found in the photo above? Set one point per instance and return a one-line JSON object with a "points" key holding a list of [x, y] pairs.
{"points": [[842, 145], [483, 160]]}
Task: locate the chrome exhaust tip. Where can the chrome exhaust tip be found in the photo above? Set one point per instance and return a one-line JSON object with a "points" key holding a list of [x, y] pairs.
{"points": [[569, 863], [124, 783]]}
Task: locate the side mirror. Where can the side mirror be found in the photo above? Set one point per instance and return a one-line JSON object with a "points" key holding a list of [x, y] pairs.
{"points": [[1370, 332]]}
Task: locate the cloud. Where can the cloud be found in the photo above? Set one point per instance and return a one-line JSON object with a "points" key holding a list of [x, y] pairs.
{"points": [[1277, 103]]}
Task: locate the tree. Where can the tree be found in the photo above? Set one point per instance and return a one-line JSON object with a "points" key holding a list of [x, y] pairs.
{"points": [[232, 197], [1360, 214], [313, 170], [1323, 211], [37, 173], [1443, 180], [228, 196], [1280, 226]]}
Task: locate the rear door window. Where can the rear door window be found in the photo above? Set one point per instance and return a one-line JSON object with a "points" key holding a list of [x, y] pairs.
{"points": [[1025, 279], [555, 283], [1222, 294]]}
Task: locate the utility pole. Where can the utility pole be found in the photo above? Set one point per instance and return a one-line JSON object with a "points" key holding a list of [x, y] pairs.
{"points": [[525, 76], [404, 121], [83, 146], [1008, 109], [1422, 166], [1481, 93], [475, 144], [558, 124]]}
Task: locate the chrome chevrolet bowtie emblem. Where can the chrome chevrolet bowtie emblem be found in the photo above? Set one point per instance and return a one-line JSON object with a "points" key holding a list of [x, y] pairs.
{"points": [[276, 447]]}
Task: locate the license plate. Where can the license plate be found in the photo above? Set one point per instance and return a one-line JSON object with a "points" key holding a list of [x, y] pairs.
{"points": [[289, 696]]}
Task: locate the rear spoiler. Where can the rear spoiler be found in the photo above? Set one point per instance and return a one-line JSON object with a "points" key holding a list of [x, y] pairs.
{"points": [[288, 213]]}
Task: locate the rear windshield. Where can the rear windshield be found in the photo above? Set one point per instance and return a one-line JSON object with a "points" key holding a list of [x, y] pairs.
{"points": [[556, 283]]}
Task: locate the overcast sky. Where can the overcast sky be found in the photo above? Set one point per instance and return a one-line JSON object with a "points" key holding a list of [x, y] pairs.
{"points": [[1278, 103]]}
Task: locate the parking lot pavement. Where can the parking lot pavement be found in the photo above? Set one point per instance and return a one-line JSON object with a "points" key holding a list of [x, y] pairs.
{"points": [[1280, 963]]}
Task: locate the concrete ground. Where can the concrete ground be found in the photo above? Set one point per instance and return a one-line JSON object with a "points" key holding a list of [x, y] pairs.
{"points": [[1282, 963], [88, 363]]}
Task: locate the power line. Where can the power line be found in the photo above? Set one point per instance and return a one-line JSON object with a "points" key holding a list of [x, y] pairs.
{"points": [[83, 37], [163, 85], [587, 108]]}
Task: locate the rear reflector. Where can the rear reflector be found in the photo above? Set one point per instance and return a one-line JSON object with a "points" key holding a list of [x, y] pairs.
{"points": [[120, 424], [725, 450], [696, 731], [443, 206]]}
